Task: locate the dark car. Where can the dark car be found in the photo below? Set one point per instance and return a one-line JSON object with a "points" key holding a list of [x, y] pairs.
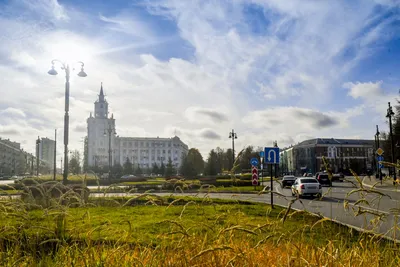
{"points": [[288, 180], [323, 179]]}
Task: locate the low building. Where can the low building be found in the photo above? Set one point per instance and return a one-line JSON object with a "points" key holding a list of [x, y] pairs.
{"points": [[341, 155]]}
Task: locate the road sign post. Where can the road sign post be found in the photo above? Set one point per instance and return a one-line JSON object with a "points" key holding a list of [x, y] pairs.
{"points": [[254, 176], [271, 156]]}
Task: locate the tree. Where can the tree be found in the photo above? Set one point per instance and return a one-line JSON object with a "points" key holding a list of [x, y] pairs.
{"points": [[75, 162], [192, 163], [169, 170], [155, 168], [212, 163], [117, 170], [127, 168], [138, 170], [162, 169]]}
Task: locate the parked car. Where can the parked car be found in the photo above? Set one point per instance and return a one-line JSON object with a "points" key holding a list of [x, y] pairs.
{"points": [[306, 186], [323, 179], [288, 180], [337, 177], [128, 176]]}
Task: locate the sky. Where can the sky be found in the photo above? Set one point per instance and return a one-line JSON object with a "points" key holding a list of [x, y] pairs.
{"points": [[269, 69]]}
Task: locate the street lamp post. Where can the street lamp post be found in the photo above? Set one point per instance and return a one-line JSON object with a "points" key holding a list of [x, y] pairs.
{"points": [[389, 115], [66, 68], [233, 135], [109, 131], [377, 143]]}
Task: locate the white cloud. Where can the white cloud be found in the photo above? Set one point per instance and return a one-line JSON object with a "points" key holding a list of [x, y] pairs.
{"points": [[364, 90], [229, 81], [12, 112]]}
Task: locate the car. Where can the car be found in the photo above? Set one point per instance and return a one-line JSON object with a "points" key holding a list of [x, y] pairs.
{"points": [[288, 180], [306, 186], [323, 178]]}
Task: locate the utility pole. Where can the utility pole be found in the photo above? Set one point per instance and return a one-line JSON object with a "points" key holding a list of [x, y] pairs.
{"points": [[233, 135], [55, 155], [389, 115], [61, 166], [37, 156]]}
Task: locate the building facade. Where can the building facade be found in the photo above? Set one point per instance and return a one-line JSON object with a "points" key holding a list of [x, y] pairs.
{"points": [[341, 155], [13, 159], [46, 151], [141, 151]]}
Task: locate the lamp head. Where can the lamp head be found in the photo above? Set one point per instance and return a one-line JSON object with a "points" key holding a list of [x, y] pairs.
{"points": [[52, 71], [82, 73]]}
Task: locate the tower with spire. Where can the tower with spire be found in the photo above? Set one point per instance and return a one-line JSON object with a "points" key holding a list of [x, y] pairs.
{"points": [[101, 105], [97, 132]]}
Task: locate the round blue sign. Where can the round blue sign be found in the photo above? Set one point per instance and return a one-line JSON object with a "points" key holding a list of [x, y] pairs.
{"points": [[254, 161]]}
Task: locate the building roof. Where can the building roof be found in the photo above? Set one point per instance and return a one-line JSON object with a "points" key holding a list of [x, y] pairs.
{"points": [[334, 141]]}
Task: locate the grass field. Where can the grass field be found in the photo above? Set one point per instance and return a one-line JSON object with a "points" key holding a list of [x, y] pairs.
{"points": [[154, 231]]}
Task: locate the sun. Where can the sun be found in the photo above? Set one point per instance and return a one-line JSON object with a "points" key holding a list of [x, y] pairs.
{"points": [[70, 49]]}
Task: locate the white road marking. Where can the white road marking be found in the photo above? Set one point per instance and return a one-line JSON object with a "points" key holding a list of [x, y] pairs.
{"points": [[371, 209]]}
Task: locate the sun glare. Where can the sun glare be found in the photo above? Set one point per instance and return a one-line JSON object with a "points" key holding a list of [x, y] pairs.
{"points": [[70, 52]]}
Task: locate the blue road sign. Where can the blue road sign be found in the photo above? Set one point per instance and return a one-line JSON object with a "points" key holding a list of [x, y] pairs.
{"points": [[379, 158], [380, 166], [271, 155], [261, 154], [254, 162]]}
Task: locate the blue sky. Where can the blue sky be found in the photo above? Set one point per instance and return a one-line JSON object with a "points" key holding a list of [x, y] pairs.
{"points": [[270, 69]]}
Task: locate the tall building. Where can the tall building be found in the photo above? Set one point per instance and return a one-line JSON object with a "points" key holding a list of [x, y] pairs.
{"points": [[341, 154], [46, 151], [142, 151]]}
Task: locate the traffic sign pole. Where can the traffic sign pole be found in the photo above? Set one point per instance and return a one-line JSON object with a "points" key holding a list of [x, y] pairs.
{"points": [[272, 195]]}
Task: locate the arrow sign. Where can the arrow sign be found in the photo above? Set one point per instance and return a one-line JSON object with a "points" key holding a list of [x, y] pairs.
{"points": [[254, 177], [271, 155], [379, 158], [254, 161]]}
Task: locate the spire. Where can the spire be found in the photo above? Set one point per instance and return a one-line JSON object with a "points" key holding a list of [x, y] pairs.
{"points": [[101, 89], [101, 95]]}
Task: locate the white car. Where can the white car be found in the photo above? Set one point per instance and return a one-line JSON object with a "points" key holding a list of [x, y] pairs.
{"points": [[306, 186]]}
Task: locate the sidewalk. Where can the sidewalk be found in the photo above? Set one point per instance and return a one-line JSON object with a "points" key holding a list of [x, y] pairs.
{"points": [[387, 183]]}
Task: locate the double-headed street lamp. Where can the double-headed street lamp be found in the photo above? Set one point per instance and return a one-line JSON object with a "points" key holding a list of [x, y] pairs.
{"points": [[233, 135], [66, 68], [389, 115], [109, 131]]}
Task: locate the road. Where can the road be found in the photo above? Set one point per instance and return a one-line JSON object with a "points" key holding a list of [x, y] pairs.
{"points": [[336, 204]]}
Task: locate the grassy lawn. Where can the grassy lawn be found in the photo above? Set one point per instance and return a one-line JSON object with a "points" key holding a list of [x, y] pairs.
{"points": [[155, 231]]}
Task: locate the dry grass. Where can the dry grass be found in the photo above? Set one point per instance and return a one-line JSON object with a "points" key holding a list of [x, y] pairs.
{"points": [[148, 230]]}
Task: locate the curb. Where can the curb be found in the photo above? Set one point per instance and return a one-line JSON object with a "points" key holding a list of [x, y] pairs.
{"points": [[370, 186]]}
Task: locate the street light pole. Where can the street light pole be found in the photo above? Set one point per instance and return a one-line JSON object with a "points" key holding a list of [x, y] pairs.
{"points": [[109, 131], [233, 135], [66, 68], [389, 115], [377, 142], [55, 157]]}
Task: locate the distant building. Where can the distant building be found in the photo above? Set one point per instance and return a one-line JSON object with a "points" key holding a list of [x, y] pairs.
{"points": [[13, 160], [46, 151], [142, 151], [341, 154]]}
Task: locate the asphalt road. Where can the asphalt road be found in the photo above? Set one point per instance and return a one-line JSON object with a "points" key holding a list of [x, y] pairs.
{"points": [[336, 204]]}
